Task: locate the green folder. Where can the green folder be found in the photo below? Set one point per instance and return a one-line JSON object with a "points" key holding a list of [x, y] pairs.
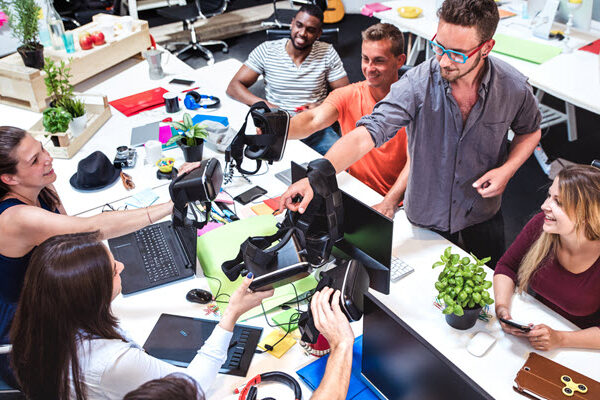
{"points": [[283, 319], [524, 49], [223, 244]]}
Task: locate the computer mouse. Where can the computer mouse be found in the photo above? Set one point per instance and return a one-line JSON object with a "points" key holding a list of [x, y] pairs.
{"points": [[199, 296]]}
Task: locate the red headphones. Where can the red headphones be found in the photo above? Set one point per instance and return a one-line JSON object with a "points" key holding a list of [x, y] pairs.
{"points": [[249, 391]]}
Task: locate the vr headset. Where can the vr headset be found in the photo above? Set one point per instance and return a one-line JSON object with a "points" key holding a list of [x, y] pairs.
{"points": [[303, 241], [351, 279], [199, 185], [267, 147]]}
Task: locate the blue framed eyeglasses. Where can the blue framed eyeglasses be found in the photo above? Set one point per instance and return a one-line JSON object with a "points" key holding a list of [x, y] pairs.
{"points": [[455, 56]]}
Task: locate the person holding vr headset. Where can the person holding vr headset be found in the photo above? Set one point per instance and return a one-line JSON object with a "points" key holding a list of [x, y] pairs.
{"points": [[87, 355], [457, 108], [297, 71], [31, 212]]}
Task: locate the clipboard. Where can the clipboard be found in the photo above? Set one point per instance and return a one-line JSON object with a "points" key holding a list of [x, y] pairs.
{"points": [[542, 378]]}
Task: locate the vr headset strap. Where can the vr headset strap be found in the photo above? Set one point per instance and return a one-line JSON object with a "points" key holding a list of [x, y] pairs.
{"points": [[180, 208], [321, 175], [235, 150]]}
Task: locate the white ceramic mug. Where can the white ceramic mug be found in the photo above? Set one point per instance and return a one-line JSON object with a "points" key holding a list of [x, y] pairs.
{"points": [[153, 151]]}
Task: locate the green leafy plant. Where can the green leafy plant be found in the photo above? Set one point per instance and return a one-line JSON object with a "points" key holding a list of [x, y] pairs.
{"points": [[75, 107], [57, 81], [462, 283], [22, 20], [56, 119], [192, 134]]}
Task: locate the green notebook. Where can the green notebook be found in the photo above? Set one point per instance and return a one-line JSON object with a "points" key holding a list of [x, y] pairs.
{"points": [[223, 244], [524, 49]]}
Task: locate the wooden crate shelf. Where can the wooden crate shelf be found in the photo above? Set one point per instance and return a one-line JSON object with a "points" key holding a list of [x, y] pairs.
{"points": [[63, 145], [22, 86]]}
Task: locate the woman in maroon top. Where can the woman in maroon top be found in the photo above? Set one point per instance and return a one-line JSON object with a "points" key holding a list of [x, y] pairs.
{"points": [[557, 257]]}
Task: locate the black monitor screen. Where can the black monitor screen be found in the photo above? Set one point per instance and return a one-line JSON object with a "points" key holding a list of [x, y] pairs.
{"points": [[367, 237], [401, 365]]}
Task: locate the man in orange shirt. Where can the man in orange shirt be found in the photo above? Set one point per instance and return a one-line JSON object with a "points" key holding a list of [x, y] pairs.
{"points": [[382, 57]]}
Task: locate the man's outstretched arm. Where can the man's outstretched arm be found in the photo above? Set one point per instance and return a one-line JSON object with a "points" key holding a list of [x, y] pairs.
{"points": [[304, 124]]}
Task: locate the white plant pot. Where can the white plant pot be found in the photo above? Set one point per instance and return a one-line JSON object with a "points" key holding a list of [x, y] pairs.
{"points": [[77, 125]]}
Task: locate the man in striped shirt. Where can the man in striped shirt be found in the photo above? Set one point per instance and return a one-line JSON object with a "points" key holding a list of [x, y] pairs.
{"points": [[297, 71]]}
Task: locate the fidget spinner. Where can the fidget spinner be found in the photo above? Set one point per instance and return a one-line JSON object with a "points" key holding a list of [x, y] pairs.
{"points": [[572, 387]]}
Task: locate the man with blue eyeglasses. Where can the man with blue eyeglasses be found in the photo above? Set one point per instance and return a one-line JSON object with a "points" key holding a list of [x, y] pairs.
{"points": [[458, 107]]}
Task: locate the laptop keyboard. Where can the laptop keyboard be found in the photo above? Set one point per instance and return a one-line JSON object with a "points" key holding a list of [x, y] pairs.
{"points": [[399, 269], [156, 254]]}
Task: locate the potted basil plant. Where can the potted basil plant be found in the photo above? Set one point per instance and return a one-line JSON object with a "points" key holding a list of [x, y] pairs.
{"points": [[23, 23], [463, 288], [190, 138], [56, 120]]}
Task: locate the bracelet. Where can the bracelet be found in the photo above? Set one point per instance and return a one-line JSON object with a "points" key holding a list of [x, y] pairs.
{"points": [[148, 214]]}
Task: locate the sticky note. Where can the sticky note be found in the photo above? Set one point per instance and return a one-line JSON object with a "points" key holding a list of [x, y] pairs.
{"points": [[262, 209], [282, 347]]}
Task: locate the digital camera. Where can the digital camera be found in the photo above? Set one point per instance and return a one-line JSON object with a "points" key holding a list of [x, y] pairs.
{"points": [[125, 158]]}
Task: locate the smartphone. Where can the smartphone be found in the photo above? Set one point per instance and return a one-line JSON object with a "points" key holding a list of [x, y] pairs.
{"points": [[184, 82], [524, 328], [250, 194]]}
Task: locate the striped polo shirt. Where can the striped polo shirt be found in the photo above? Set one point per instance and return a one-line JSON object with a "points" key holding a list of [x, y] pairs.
{"points": [[290, 86]]}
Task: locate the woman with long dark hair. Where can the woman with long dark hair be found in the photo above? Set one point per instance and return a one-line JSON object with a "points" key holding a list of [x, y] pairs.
{"points": [[31, 212], [556, 257], [67, 344]]}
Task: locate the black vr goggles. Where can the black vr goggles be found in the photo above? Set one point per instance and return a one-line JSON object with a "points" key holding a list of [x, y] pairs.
{"points": [[304, 241], [267, 147], [352, 280], [201, 184]]}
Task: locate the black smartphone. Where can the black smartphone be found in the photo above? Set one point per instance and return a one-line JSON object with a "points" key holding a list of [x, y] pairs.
{"points": [[184, 82], [250, 194], [524, 328]]}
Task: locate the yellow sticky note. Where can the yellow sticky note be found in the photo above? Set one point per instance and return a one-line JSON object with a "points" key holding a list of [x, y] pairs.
{"points": [[282, 347], [261, 209]]}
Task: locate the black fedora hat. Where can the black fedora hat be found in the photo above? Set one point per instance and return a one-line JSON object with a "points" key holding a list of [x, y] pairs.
{"points": [[94, 172]]}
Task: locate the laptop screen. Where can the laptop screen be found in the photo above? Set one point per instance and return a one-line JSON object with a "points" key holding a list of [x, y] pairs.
{"points": [[399, 364]]}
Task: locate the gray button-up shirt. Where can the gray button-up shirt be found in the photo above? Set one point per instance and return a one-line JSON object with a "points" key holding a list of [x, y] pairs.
{"points": [[447, 157]]}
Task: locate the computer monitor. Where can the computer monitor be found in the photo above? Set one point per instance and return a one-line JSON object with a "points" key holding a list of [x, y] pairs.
{"points": [[367, 237], [398, 364]]}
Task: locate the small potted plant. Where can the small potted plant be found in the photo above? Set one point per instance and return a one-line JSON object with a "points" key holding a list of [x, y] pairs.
{"points": [[58, 87], [76, 108], [190, 139], [23, 23], [56, 120], [463, 288]]}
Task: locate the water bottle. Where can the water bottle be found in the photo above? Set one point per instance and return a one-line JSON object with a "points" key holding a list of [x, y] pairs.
{"points": [[55, 25], [43, 30]]}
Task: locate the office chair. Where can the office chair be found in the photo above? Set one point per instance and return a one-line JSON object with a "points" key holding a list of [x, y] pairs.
{"points": [[189, 14], [329, 35], [283, 18], [7, 392]]}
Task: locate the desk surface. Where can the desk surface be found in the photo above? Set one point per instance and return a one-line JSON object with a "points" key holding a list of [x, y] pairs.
{"points": [[411, 298], [573, 77]]}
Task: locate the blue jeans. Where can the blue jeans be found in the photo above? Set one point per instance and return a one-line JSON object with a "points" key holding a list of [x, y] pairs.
{"points": [[321, 141]]}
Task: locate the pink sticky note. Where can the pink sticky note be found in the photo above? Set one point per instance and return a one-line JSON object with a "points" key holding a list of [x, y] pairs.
{"points": [[209, 227], [164, 134]]}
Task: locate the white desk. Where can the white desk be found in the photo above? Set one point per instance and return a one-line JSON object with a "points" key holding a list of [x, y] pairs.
{"points": [[411, 298], [572, 77]]}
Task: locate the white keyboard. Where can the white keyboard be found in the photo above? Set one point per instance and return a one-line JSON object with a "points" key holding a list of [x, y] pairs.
{"points": [[399, 269]]}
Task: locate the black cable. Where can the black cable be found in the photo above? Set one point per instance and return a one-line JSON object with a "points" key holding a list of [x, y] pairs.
{"points": [[219, 294], [294, 318]]}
